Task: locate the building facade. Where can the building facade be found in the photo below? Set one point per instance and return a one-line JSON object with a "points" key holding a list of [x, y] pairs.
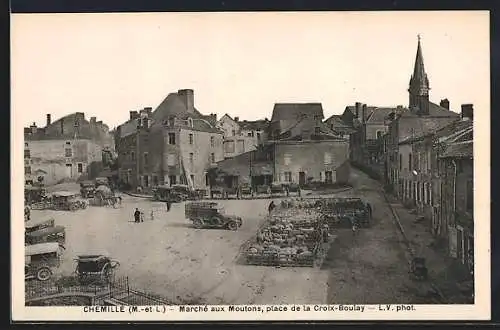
{"points": [[65, 150], [174, 144], [241, 136], [300, 148]]}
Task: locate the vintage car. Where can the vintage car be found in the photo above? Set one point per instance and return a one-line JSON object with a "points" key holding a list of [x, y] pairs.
{"points": [[163, 193], [210, 215], [66, 200], [101, 181], [40, 260], [50, 234], [263, 189], [278, 188], [34, 194], [293, 187], [95, 268], [87, 189], [183, 192], [246, 190], [39, 224]]}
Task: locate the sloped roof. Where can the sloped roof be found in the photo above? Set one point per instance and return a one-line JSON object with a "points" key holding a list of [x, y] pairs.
{"points": [[379, 114], [291, 111], [254, 124], [368, 112], [173, 105], [459, 150], [414, 126]]}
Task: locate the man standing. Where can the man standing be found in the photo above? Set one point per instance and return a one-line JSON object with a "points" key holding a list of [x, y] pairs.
{"points": [[169, 205], [271, 207], [137, 215]]}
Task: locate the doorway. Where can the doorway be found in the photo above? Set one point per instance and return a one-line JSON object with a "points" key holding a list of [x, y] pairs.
{"points": [[302, 178], [69, 170]]}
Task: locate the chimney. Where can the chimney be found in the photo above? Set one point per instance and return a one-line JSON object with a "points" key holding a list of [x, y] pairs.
{"points": [[93, 120], [134, 115], [358, 109], [187, 96], [48, 119], [33, 128], [467, 112], [445, 104], [236, 119], [363, 113], [148, 110]]}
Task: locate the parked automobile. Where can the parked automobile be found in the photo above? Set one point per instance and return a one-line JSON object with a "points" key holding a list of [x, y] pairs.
{"points": [[66, 200], [38, 224], [163, 193], [34, 194], [246, 190], [41, 260], [278, 188], [87, 189], [210, 215], [50, 234], [293, 187]]}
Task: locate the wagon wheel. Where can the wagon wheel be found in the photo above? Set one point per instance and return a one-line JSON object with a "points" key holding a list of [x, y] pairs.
{"points": [[43, 274], [106, 273], [232, 225], [198, 223]]}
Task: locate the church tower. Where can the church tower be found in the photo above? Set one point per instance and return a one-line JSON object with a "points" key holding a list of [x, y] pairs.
{"points": [[419, 86]]}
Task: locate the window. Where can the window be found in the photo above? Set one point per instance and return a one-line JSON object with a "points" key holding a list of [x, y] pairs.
{"points": [[258, 136], [317, 130], [27, 170], [379, 134], [329, 177], [27, 154], [146, 181], [132, 155], [146, 159], [207, 180], [80, 168], [409, 162], [26, 144], [68, 152], [212, 141], [250, 134], [171, 138], [172, 179], [155, 180], [68, 143], [229, 147], [192, 178], [171, 160], [233, 132], [287, 159], [327, 158], [470, 195], [400, 162], [190, 138], [191, 158], [288, 176], [212, 157], [320, 176], [190, 122]]}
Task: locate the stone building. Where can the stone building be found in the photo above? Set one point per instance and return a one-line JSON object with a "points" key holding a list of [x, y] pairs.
{"points": [[174, 144], [421, 117], [67, 149], [241, 136], [300, 149]]}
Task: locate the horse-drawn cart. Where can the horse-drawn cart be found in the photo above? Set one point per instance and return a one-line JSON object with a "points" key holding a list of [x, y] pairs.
{"points": [[95, 268]]}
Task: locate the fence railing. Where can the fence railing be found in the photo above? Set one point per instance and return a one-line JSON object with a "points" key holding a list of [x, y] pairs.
{"points": [[118, 289]]}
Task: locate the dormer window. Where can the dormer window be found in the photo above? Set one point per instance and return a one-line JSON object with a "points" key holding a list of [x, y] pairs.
{"points": [[190, 122]]}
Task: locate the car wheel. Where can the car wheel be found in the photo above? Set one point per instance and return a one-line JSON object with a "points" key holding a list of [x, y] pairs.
{"points": [[232, 225], [43, 274], [198, 223]]}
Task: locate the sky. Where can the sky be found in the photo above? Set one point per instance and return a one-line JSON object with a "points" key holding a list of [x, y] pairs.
{"points": [[106, 65]]}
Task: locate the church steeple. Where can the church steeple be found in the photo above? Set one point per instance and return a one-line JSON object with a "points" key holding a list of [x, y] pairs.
{"points": [[419, 85]]}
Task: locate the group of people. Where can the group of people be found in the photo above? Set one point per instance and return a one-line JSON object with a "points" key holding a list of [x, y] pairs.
{"points": [[139, 216]]}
